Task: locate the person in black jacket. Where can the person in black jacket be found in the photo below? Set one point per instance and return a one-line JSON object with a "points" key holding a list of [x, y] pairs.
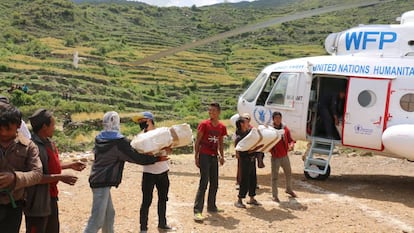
{"points": [[111, 150]]}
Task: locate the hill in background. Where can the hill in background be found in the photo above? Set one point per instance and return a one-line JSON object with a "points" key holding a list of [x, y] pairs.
{"points": [[40, 38]]}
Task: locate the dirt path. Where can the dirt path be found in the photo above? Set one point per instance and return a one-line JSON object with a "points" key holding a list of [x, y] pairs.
{"points": [[363, 194]]}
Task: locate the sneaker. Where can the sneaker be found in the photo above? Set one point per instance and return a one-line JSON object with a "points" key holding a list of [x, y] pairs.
{"points": [[291, 193], [275, 199], [198, 217], [237, 186], [239, 204], [216, 210]]}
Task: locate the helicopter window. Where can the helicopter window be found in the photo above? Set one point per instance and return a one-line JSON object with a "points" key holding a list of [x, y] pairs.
{"points": [[367, 98], [252, 91], [266, 89], [407, 102], [283, 92]]}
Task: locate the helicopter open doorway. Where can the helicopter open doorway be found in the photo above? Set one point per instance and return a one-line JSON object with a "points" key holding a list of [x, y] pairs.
{"points": [[325, 102]]}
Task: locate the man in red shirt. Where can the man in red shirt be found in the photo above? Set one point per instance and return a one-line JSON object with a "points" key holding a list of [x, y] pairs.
{"points": [[208, 151], [280, 157], [41, 209]]}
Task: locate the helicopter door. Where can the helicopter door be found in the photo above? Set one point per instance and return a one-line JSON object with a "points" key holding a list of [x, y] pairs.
{"points": [[365, 112]]}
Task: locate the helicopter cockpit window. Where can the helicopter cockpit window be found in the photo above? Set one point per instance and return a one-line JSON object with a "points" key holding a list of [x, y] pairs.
{"points": [[283, 92], [407, 102], [266, 89], [251, 93]]}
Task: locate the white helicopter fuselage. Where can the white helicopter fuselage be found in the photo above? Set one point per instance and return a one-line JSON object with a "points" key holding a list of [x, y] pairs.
{"points": [[374, 64]]}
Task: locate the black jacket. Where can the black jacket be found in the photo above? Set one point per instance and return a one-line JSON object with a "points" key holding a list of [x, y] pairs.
{"points": [[110, 157]]}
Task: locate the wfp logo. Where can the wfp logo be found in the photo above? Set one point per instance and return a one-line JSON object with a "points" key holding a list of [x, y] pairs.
{"points": [[262, 116], [363, 39], [359, 129]]}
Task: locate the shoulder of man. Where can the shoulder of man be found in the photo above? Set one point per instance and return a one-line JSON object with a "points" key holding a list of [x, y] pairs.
{"points": [[21, 139]]}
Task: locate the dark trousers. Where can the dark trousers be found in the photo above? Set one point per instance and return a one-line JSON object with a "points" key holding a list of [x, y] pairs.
{"points": [[328, 123], [208, 173], [248, 181], [162, 183], [46, 224], [10, 218]]}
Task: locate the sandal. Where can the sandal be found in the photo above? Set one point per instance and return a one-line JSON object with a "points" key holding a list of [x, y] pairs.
{"points": [[291, 193], [254, 202], [239, 204]]}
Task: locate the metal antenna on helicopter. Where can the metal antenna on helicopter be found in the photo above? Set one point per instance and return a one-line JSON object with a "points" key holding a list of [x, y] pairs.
{"points": [[253, 27]]}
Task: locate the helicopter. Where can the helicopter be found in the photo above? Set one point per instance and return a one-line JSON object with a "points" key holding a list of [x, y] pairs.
{"points": [[373, 65]]}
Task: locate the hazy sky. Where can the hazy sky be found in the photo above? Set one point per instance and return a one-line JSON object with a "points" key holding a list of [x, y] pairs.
{"points": [[186, 2]]}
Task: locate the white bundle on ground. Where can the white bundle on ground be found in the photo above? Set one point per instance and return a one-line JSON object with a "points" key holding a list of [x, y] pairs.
{"points": [[263, 138], [154, 140]]}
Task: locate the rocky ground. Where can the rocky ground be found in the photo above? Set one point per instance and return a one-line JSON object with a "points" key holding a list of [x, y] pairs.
{"points": [[363, 194]]}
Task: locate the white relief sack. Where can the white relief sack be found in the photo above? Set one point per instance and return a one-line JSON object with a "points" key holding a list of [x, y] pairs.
{"points": [[263, 138], [182, 135], [154, 140]]}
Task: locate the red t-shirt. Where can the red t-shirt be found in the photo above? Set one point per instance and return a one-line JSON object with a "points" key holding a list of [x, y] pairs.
{"points": [[211, 134], [281, 148], [53, 166]]}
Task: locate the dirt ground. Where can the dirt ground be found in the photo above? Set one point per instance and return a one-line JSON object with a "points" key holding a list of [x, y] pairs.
{"points": [[363, 194]]}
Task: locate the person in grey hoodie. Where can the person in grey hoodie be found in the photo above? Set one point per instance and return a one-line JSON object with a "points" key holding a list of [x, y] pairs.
{"points": [[111, 151]]}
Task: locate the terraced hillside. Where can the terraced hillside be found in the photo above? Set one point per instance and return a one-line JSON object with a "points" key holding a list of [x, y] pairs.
{"points": [[40, 38]]}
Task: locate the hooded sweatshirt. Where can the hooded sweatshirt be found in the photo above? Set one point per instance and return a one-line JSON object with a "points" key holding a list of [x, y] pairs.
{"points": [[111, 151]]}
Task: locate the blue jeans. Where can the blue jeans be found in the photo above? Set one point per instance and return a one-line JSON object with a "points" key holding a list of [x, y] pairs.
{"points": [[208, 173], [103, 212]]}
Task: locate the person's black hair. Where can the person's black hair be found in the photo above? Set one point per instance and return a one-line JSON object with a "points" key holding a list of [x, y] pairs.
{"points": [[216, 105], [239, 121], [9, 115], [39, 118], [276, 114]]}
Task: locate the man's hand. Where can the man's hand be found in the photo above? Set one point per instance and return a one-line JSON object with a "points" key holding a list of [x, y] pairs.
{"points": [[163, 158], [68, 179], [77, 166], [168, 150], [197, 160], [222, 160], [6, 179]]}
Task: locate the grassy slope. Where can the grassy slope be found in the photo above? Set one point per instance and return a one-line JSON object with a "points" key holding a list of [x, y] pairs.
{"points": [[41, 36]]}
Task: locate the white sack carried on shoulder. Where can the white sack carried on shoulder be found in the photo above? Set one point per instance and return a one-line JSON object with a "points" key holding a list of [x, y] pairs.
{"points": [[264, 137], [182, 135], [152, 141], [270, 133]]}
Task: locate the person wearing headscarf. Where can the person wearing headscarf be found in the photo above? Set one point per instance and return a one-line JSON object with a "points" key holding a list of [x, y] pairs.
{"points": [[111, 151]]}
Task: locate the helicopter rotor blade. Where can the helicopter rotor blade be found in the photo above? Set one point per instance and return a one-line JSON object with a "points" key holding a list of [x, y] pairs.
{"points": [[253, 27]]}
